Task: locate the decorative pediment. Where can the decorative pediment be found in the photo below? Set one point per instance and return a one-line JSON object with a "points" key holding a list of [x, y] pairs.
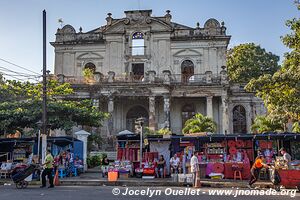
{"points": [[187, 52], [89, 56], [136, 21], [117, 26]]}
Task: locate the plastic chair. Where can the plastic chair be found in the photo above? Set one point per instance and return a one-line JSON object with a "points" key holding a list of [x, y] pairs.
{"points": [[74, 171], [237, 172], [61, 173]]}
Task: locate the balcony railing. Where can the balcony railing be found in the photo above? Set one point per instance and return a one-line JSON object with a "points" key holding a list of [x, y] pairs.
{"points": [[148, 78]]}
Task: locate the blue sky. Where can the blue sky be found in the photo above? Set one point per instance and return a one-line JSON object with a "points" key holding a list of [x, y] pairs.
{"points": [[258, 21]]}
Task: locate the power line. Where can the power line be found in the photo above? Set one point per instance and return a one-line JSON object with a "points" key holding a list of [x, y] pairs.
{"points": [[15, 77], [18, 66], [6, 72], [18, 75], [15, 72]]}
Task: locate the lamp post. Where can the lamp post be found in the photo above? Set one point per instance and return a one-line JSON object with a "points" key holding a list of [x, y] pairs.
{"points": [[140, 122]]}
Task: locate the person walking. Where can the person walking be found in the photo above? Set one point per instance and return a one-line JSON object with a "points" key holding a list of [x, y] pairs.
{"points": [[195, 168], [255, 169], [48, 168]]}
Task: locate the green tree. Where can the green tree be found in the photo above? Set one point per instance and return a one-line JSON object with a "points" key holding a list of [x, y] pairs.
{"points": [[21, 107], [296, 127], [281, 91], [247, 61], [266, 124], [199, 123]]}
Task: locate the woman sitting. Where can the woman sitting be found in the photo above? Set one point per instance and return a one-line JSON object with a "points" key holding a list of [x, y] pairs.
{"points": [[160, 167], [78, 164]]}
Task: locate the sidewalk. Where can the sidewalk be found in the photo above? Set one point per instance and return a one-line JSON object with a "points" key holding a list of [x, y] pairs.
{"points": [[94, 178]]}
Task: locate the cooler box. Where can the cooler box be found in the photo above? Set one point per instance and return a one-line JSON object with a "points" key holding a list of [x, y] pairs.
{"points": [[112, 176], [189, 178], [181, 178]]}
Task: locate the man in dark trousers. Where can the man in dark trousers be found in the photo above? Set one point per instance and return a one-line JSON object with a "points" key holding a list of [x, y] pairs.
{"points": [[255, 169], [48, 168]]}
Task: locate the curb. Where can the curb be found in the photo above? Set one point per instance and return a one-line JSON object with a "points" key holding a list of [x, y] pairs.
{"points": [[134, 183]]}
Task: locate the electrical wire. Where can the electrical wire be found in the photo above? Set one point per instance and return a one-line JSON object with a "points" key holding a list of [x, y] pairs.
{"points": [[5, 70], [19, 66]]}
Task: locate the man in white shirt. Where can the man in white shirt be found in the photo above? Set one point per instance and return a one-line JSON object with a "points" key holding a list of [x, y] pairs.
{"points": [[195, 167], [286, 156], [174, 162]]}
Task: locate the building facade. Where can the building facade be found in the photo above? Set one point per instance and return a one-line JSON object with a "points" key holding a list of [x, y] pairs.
{"points": [[152, 67]]}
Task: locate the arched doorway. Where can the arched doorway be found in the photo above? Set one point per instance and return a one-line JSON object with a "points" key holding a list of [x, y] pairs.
{"points": [[133, 114], [90, 66], [239, 119], [187, 70], [188, 111]]}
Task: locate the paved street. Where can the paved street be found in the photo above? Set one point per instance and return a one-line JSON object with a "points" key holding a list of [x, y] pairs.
{"points": [[105, 192]]}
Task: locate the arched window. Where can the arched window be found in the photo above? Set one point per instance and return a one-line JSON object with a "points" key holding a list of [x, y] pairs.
{"points": [[90, 66], [133, 114], [188, 111], [239, 119], [187, 70], [138, 44]]}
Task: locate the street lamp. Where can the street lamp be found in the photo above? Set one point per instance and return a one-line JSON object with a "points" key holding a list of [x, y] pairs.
{"points": [[140, 122]]}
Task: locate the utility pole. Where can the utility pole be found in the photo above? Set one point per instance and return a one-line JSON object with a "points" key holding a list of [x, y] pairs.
{"points": [[140, 122], [44, 106], [44, 118]]}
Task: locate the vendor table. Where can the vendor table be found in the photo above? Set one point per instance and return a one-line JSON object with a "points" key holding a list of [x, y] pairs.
{"points": [[210, 168], [228, 172], [290, 178]]}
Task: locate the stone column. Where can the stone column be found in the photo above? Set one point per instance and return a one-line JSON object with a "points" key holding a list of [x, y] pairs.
{"points": [[110, 109], [83, 135], [152, 122], [167, 111], [225, 114], [209, 107]]}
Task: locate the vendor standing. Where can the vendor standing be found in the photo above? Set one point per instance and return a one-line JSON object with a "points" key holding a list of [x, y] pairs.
{"points": [[195, 167], [286, 157], [48, 168]]}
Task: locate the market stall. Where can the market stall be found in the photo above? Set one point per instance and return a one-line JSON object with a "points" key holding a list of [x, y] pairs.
{"points": [[128, 150]]}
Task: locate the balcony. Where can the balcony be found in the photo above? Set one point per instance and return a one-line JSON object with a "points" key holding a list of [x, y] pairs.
{"points": [[150, 77]]}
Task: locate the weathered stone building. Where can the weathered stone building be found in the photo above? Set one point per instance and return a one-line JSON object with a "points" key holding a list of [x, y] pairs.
{"points": [[156, 68]]}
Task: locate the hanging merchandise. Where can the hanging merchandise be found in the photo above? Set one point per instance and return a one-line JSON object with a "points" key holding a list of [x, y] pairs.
{"points": [[232, 151], [231, 143], [240, 143], [218, 168]]}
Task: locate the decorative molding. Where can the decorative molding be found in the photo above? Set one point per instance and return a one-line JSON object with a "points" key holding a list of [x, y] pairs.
{"points": [[90, 55], [187, 52]]}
